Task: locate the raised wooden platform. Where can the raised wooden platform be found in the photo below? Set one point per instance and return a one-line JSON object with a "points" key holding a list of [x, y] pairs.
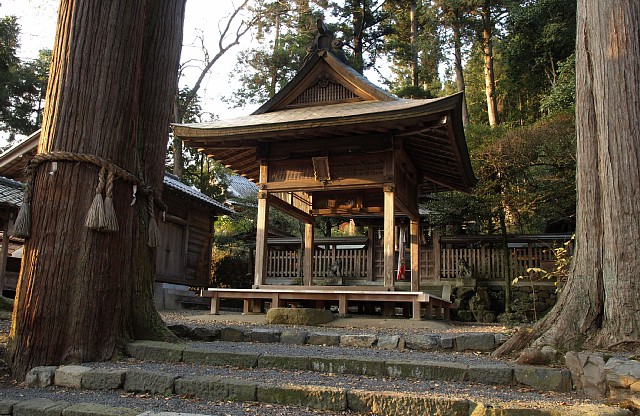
{"points": [[281, 297]]}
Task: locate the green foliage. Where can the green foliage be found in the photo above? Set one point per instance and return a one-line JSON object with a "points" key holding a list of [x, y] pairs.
{"points": [[230, 267], [528, 172], [562, 95], [22, 84], [539, 37], [563, 256], [283, 32]]}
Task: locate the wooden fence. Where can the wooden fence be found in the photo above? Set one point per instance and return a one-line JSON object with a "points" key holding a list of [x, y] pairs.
{"points": [[287, 264], [449, 258]]}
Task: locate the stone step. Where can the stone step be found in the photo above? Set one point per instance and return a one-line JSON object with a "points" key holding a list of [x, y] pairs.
{"points": [[218, 388], [478, 341], [493, 373]]}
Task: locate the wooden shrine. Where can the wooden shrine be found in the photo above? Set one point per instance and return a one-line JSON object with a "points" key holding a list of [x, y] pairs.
{"points": [[331, 143]]}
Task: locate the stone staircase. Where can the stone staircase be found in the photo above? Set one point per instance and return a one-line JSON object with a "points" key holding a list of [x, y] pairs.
{"points": [[332, 379]]}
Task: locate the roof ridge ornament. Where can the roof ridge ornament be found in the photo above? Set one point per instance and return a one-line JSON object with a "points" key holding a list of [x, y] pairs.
{"points": [[325, 41]]}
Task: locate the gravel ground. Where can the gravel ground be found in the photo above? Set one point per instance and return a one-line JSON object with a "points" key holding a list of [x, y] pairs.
{"points": [[532, 398]]}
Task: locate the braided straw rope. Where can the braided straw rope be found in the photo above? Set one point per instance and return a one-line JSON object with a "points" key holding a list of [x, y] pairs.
{"points": [[101, 216]]}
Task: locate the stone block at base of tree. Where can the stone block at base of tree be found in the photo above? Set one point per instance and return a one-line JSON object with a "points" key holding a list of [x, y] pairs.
{"points": [[544, 378], [475, 342], [155, 351], [299, 316], [103, 379], [587, 373], [41, 376], [181, 331], [70, 376], [203, 334], [232, 335]]}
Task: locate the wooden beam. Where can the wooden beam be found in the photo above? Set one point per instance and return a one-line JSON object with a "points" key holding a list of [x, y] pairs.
{"points": [[307, 267], [262, 233], [435, 238], [290, 210], [370, 249], [414, 230], [389, 237], [309, 185]]}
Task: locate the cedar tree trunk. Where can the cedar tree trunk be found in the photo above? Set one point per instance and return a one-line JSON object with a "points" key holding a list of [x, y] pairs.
{"points": [[487, 52], [82, 293], [600, 305]]}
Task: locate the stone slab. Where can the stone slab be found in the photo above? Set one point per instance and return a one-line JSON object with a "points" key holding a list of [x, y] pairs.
{"points": [[358, 341], [475, 342], [103, 379], [6, 405], [96, 409], [427, 370], [265, 335], [41, 376], [544, 378], [322, 398], [155, 351], [232, 335], [388, 342], [70, 376], [348, 365], [149, 382], [205, 387], [283, 363], [498, 374], [218, 358], [294, 337], [391, 403], [39, 407], [323, 339]]}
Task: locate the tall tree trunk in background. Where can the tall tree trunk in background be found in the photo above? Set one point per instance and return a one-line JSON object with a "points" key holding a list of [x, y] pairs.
{"points": [[274, 70], [359, 10], [414, 44], [457, 64], [82, 293], [600, 305], [487, 52]]}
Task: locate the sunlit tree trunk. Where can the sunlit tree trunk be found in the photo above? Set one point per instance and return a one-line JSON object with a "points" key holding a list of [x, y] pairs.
{"points": [[487, 51], [457, 65], [600, 304], [82, 293]]}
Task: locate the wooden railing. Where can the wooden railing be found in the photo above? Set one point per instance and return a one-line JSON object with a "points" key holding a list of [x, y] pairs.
{"points": [[348, 263], [454, 257], [489, 262]]}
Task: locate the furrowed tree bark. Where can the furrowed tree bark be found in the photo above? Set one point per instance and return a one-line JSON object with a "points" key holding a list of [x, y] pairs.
{"points": [[82, 293], [600, 305]]}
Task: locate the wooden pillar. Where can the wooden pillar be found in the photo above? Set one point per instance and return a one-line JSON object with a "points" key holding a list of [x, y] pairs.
{"points": [[437, 256], [389, 237], [6, 223], [371, 244], [307, 267], [414, 230], [262, 233]]}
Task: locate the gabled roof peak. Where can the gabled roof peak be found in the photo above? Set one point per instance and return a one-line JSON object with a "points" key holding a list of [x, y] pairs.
{"points": [[325, 42]]}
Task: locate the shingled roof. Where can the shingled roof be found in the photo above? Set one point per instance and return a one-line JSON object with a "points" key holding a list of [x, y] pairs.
{"points": [[10, 193], [327, 99]]}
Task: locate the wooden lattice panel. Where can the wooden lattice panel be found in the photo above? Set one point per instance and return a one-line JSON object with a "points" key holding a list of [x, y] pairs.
{"points": [[325, 90], [291, 171], [356, 168]]}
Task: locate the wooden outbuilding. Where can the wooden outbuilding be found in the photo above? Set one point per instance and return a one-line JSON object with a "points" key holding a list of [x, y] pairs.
{"points": [[331, 143], [183, 255]]}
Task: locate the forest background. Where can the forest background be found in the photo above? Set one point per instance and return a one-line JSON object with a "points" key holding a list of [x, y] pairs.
{"points": [[514, 61]]}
